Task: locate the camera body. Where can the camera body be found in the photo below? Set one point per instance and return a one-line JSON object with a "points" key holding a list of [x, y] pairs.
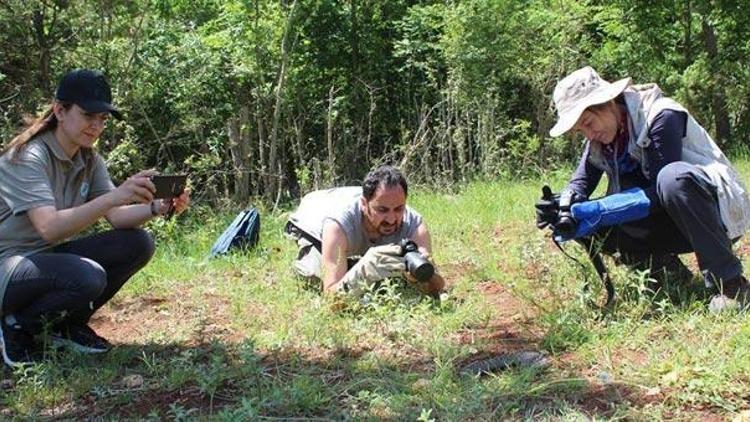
{"points": [[416, 264], [565, 222], [553, 210]]}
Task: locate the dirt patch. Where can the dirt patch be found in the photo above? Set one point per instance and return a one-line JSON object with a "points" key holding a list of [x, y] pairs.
{"points": [[509, 329], [691, 262], [513, 328], [454, 270], [698, 415], [135, 319], [536, 270], [181, 403], [602, 399], [635, 357], [507, 308]]}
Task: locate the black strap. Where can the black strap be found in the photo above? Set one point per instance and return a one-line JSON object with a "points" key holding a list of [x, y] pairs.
{"points": [[291, 228], [601, 269]]}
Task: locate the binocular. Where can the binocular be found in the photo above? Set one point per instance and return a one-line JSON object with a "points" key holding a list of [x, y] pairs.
{"points": [[416, 264]]}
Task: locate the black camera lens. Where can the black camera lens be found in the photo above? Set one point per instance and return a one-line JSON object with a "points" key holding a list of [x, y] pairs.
{"points": [[416, 264], [419, 267]]}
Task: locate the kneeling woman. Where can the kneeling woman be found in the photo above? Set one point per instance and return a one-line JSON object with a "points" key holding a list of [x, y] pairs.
{"points": [[53, 185], [671, 189]]}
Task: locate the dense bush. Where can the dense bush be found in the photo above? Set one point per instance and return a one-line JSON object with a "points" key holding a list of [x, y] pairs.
{"points": [[272, 98]]}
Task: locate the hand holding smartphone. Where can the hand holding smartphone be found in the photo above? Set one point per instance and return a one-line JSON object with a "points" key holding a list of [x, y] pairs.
{"points": [[169, 186]]}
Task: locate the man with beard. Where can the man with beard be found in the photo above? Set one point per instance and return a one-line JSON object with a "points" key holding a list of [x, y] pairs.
{"points": [[349, 237]]}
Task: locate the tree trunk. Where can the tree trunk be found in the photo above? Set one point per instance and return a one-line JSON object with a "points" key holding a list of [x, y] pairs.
{"points": [[687, 53], [356, 81], [290, 174], [274, 184], [262, 141], [239, 147], [42, 41], [687, 50], [329, 134], [718, 94], [370, 116], [44, 32]]}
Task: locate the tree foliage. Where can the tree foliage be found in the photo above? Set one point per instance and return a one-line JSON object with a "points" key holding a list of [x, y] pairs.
{"points": [[273, 98]]}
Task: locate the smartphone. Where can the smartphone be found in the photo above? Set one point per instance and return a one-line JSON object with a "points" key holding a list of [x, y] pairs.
{"points": [[169, 186]]}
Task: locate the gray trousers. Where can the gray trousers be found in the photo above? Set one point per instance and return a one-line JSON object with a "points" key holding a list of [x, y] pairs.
{"points": [[685, 220], [309, 260]]}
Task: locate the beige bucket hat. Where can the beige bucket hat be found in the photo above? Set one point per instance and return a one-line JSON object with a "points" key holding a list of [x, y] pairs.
{"points": [[579, 91]]}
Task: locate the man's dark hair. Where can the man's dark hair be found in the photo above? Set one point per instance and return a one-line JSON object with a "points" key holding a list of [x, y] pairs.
{"points": [[386, 176]]}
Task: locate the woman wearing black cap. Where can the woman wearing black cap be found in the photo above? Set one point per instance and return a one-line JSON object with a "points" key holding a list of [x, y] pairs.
{"points": [[53, 185]]}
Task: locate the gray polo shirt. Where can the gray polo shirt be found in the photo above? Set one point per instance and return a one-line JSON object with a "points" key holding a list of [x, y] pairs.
{"points": [[342, 205], [42, 175]]}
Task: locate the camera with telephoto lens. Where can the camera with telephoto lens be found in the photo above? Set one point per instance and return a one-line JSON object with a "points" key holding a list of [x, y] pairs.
{"points": [[416, 264], [566, 223]]}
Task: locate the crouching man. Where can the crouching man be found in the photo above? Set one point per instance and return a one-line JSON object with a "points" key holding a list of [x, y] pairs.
{"points": [[334, 227]]}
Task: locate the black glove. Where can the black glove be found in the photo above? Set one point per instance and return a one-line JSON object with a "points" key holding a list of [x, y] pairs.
{"points": [[547, 209]]}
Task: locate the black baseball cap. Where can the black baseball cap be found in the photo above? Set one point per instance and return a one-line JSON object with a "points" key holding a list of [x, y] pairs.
{"points": [[87, 89]]}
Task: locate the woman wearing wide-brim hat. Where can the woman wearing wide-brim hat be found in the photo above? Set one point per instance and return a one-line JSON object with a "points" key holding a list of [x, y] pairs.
{"points": [[53, 186], [671, 189]]}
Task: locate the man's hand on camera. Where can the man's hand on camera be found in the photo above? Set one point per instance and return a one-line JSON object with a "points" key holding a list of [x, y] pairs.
{"points": [[378, 263]]}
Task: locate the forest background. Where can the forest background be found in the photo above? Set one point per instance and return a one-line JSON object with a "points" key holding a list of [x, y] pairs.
{"points": [[270, 99]]}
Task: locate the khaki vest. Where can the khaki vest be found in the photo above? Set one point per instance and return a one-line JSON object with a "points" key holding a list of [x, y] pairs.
{"points": [[644, 103]]}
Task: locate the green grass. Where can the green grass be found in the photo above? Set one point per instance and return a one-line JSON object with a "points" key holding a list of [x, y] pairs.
{"points": [[241, 338]]}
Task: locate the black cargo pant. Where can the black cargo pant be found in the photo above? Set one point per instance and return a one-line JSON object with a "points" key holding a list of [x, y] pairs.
{"points": [[69, 282], [685, 220]]}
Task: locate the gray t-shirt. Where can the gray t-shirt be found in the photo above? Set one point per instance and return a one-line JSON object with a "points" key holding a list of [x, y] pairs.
{"points": [[342, 206], [42, 175]]}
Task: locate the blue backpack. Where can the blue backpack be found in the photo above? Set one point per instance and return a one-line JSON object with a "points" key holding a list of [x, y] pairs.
{"points": [[243, 233]]}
